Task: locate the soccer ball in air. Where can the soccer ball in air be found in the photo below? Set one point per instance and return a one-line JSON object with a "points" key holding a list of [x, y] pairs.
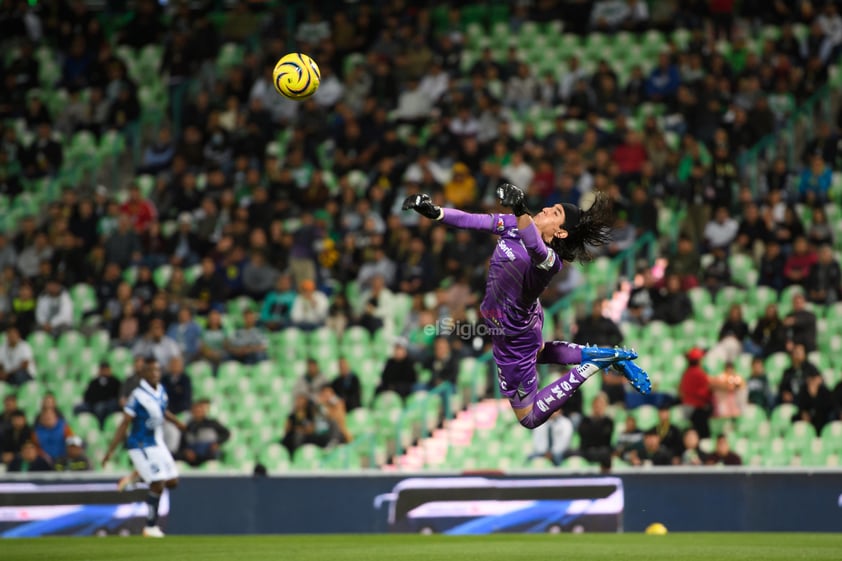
{"points": [[296, 76]]}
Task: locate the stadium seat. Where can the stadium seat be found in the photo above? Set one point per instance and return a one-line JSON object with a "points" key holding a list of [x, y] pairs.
{"points": [[832, 436], [781, 418], [799, 436], [646, 416]]}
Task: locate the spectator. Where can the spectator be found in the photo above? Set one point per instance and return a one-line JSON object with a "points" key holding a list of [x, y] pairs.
{"points": [[639, 310], [276, 311], [728, 393], [248, 344], [50, 433], [184, 246], [311, 382], [209, 289], [123, 247], [75, 459], [187, 334], [769, 335], [10, 405], [334, 411], [672, 305], [141, 211], [399, 372], [102, 397], [717, 273], [310, 308], [16, 433], [669, 435], [157, 344], [816, 404], [820, 232], [17, 363], [346, 385], [794, 377], [23, 310], [753, 232], [759, 392], [378, 303], [443, 364], [28, 460], [731, 335], [653, 452], [204, 436], [686, 263], [552, 439], [722, 230], [800, 324], [258, 276], [692, 455], [304, 425], [214, 336], [799, 263], [54, 310], [722, 454], [664, 81], [771, 269], [597, 329], [630, 440], [695, 393], [815, 182], [595, 433], [179, 386], [824, 282]]}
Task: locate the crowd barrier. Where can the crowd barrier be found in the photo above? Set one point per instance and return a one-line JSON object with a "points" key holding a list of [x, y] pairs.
{"points": [[687, 500]]}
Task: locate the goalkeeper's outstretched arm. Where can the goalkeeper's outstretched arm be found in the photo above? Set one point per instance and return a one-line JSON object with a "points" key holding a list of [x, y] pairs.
{"points": [[491, 223]]}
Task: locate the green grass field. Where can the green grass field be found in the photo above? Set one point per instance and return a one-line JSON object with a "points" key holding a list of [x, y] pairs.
{"points": [[596, 547]]}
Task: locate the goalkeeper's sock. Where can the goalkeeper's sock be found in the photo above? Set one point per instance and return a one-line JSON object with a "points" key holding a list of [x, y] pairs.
{"points": [[152, 501], [560, 352], [551, 398]]}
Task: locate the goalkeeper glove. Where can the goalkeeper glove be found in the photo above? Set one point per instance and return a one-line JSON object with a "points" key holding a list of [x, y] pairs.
{"points": [[512, 197], [423, 205]]}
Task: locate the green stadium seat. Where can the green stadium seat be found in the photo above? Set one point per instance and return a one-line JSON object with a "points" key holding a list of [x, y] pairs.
{"points": [[777, 454], [775, 365], [120, 360], [799, 436], [99, 341], [646, 416], [307, 457], [832, 436], [40, 343], [69, 343], [781, 418]]}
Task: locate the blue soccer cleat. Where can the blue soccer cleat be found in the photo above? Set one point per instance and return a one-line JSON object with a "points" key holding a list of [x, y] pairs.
{"points": [[636, 376], [603, 357]]}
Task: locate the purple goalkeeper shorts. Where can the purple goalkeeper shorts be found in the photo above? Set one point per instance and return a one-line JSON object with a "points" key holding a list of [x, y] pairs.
{"points": [[517, 359]]}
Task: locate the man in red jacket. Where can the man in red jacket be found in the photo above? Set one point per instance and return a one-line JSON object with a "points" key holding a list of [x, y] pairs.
{"points": [[140, 210], [695, 392]]}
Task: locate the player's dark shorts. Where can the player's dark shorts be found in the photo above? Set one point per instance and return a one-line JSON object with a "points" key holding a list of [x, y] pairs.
{"points": [[517, 359]]}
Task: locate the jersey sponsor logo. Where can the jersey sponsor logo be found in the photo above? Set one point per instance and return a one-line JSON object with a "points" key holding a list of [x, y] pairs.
{"points": [[542, 406], [507, 250]]}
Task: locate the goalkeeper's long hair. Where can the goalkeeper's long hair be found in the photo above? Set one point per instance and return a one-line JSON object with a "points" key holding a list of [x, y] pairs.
{"points": [[593, 229]]}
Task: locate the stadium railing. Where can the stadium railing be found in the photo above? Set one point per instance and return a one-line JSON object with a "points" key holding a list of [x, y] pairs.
{"points": [[797, 131]]}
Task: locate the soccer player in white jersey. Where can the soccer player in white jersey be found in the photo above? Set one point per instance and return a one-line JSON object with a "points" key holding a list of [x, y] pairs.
{"points": [[143, 420]]}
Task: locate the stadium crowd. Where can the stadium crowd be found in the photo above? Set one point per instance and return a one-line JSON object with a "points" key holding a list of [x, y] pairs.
{"points": [[306, 223]]}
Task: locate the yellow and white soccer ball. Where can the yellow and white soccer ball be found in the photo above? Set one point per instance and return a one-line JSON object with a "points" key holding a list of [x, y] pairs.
{"points": [[296, 76]]}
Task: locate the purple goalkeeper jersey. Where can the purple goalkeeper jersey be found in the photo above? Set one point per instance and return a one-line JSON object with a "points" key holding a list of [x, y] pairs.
{"points": [[521, 268]]}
